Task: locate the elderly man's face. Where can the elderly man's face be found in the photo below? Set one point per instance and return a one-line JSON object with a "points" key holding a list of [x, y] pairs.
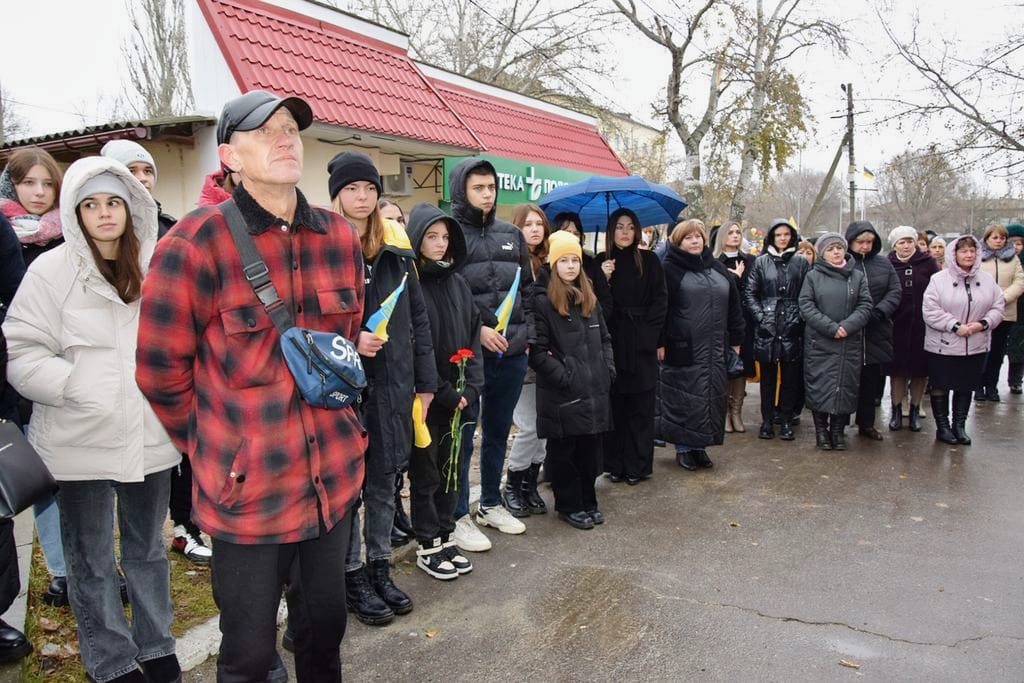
{"points": [[268, 155]]}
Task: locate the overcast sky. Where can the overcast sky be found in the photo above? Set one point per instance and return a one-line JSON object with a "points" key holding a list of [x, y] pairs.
{"points": [[62, 60]]}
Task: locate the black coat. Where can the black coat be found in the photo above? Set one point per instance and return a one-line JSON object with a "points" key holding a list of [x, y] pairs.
{"points": [[572, 356], [909, 358], [454, 320], [704, 318], [404, 365], [832, 297], [12, 266], [637, 319], [885, 295], [494, 249], [771, 298], [747, 347]]}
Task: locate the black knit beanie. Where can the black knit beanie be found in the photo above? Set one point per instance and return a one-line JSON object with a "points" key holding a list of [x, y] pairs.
{"points": [[351, 167]]}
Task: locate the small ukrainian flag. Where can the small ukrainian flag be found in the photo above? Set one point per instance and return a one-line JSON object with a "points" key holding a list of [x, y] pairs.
{"points": [[868, 174], [378, 322], [504, 311]]}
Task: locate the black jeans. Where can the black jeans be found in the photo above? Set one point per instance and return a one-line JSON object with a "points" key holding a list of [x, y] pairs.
{"points": [[431, 506], [181, 493], [994, 360], [247, 584], [572, 464], [629, 446], [871, 382], [790, 390]]}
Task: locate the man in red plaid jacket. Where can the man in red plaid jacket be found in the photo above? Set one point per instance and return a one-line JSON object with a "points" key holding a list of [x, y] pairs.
{"points": [[275, 478]]}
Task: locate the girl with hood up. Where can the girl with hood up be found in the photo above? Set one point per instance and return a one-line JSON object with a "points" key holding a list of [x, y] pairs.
{"points": [[836, 304], [72, 332], [440, 246], [730, 251], [962, 305], [637, 283], [770, 298], [999, 259]]}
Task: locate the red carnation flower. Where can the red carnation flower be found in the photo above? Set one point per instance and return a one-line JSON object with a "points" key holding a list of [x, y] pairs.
{"points": [[456, 358], [465, 353]]}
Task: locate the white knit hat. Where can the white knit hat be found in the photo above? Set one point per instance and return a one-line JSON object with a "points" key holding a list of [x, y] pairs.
{"points": [[901, 232], [128, 153]]}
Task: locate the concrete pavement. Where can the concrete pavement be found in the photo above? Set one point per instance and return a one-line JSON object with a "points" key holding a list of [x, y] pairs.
{"points": [[903, 558]]}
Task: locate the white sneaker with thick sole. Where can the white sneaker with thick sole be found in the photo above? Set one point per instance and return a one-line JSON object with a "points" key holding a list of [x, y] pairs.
{"points": [[191, 545], [499, 518], [468, 537]]}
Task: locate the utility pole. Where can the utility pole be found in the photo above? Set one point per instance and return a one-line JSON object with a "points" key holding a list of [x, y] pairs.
{"points": [[848, 88]]}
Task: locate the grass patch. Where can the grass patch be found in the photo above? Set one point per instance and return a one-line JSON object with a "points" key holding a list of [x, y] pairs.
{"points": [[54, 634]]}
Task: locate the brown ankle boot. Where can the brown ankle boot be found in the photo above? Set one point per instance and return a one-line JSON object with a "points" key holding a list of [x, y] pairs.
{"points": [[737, 392], [728, 414]]}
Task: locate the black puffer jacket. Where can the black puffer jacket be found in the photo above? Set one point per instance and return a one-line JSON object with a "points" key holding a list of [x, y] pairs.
{"points": [[704, 318], [404, 365], [575, 369], [454, 320], [885, 290], [832, 297], [494, 249], [771, 297]]}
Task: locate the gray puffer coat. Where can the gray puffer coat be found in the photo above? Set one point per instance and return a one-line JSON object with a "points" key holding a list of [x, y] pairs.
{"points": [[831, 298], [886, 292]]}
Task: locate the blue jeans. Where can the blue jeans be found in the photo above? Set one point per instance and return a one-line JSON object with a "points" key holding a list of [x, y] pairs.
{"points": [[503, 382], [109, 646], [47, 516]]}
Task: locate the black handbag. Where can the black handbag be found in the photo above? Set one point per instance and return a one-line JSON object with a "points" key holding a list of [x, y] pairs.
{"points": [[733, 364], [24, 478]]}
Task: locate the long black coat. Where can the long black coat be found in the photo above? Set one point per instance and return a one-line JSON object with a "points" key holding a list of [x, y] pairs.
{"points": [[771, 298], [572, 356], [637, 320], [885, 295], [909, 358], [704, 318], [832, 297]]}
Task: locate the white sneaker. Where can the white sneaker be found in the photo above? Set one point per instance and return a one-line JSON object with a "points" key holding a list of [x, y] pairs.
{"points": [[468, 537], [190, 544], [499, 518]]}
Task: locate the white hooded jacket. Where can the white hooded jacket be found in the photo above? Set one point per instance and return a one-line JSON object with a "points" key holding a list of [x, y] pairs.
{"points": [[71, 343]]}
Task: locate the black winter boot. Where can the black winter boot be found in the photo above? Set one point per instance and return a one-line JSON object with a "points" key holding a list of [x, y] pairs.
{"points": [[896, 421], [534, 503], [363, 600], [940, 411], [512, 494], [914, 418], [402, 521], [392, 595], [837, 431], [1016, 377], [961, 408], [821, 436]]}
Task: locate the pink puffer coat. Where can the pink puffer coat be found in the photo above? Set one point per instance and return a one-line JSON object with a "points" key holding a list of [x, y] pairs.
{"points": [[958, 296]]}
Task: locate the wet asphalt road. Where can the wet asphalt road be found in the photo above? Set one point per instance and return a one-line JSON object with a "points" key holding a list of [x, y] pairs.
{"points": [[905, 558]]}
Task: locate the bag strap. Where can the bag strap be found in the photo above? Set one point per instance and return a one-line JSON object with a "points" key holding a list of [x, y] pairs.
{"points": [[254, 268]]}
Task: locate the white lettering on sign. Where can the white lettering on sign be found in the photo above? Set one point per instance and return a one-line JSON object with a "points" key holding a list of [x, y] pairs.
{"points": [[532, 184], [344, 352]]}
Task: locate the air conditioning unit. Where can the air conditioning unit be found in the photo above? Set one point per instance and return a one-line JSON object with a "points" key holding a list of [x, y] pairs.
{"points": [[400, 185]]}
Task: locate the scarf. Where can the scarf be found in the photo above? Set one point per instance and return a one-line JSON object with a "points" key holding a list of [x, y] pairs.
{"points": [[1005, 254], [30, 228]]}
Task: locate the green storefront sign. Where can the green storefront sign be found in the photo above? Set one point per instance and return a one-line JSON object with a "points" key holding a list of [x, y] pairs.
{"points": [[520, 181]]}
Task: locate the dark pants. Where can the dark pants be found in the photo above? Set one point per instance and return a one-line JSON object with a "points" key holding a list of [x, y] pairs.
{"points": [[871, 383], [181, 493], [247, 584], [10, 582], [629, 447], [789, 392], [572, 464], [431, 506], [994, 361]]}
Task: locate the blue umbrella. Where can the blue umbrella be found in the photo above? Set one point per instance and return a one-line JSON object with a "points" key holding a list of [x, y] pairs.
{"points": [[597, 197]]}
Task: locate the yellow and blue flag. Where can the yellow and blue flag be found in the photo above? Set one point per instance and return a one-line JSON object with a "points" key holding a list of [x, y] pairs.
{"points": [[378, 322], [504, 311]]}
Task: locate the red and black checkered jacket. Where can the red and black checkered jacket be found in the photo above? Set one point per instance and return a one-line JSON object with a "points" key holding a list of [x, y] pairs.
{"points": [[210, 363]]}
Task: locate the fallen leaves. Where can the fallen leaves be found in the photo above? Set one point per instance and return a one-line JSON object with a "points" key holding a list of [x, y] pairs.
{"points": [[849, 663], [48, 625], [734, 524], [430, 633]]}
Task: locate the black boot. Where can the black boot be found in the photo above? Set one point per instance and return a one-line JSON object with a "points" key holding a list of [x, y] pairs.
{"points": [[534, 503], [896, 421], [512, 494], [1016, 377], [13, 644], [402, 521], [961, 408], [786, 430], [363, 600], [821, 436], [392, 595], [767, 431], [914, 418], [940, 411], [837, 432], [164, 669]]}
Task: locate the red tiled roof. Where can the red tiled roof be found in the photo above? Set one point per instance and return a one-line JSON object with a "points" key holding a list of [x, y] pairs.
{"points": [[348, 79], [510, 129]]}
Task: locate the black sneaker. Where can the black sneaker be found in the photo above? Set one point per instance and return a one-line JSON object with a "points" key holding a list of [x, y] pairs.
{"points": [[363, 601], [164, 669], [454, 554], [434, 561], [56, 593]]}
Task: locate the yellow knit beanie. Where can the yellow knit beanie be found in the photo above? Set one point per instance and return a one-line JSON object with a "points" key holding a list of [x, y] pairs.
{"points": [[562, 243]]}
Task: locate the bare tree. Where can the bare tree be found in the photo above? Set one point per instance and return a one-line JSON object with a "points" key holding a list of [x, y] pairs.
{"points": [[792, 194], [156, 53], [922, 188], [536, 47], [12, 125]]}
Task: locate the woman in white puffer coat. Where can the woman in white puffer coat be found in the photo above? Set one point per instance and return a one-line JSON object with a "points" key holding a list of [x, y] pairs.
{"points": [[71, 332]]}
